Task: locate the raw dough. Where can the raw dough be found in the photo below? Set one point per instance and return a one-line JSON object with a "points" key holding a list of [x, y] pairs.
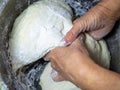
{"points": [[37, 30], [41, 28], [48, 84], [98, 51]]}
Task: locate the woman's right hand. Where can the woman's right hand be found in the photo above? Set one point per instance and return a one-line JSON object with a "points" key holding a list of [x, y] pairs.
{"points": [[98, 21]]}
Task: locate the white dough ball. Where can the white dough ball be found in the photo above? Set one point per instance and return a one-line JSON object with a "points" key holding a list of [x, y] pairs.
{"points": [[37, 30]]}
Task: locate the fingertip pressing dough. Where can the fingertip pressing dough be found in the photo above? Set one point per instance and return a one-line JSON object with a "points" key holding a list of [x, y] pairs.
{"points": [[39, 29], [48, 84]]}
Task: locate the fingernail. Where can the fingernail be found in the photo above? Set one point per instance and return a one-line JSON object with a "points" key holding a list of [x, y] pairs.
{"points": [[65, 42], [54, 74]]}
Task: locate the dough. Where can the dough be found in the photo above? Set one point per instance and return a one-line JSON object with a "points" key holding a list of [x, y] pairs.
{"points": [[98, 51], [48, 84], [39, 29]]}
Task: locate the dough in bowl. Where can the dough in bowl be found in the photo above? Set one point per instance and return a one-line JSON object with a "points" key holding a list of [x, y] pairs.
{"points": [[39, 29]]}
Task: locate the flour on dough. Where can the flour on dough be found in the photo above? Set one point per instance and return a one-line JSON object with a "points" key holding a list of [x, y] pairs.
{"points": [[47, 83], [39, 29]]}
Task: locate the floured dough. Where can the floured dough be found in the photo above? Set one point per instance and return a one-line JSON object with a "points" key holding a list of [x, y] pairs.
{"points": [[48, 84], [37, 30], [98, 51], [41, 28]]}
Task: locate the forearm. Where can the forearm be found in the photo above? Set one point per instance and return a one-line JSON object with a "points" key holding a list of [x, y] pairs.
{"points": [[94, 77]]}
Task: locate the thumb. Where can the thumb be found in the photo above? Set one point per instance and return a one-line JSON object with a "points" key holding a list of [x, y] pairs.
{"points": [[74, 31], [79, 41]]}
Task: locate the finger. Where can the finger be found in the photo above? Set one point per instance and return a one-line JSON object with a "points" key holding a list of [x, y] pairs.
{"points": [[53, 66], [56, 76], [76, 21], [99, 34], [46, 58], [79, 41], [74, 32], [49, 56]]}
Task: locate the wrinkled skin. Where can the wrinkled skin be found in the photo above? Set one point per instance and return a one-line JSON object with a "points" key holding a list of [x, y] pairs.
{"points": [[64, 61], [98, 21], [73, 62]]}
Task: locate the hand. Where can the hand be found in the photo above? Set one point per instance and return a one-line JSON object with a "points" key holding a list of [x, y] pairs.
{"points": [[98, 21], [74, 64], [67, 61]]}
